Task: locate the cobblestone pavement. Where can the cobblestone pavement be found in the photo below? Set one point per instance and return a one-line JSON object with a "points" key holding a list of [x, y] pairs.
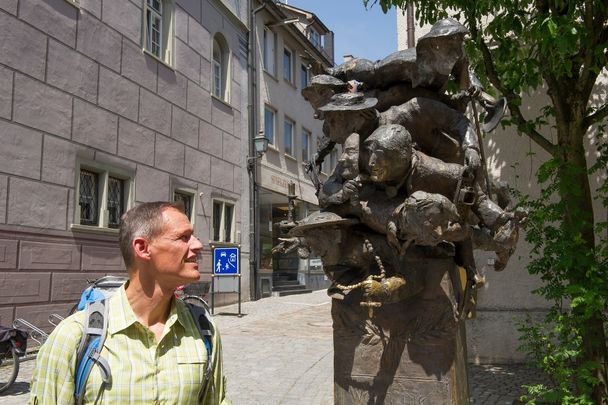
{"points": [[280, 352]]}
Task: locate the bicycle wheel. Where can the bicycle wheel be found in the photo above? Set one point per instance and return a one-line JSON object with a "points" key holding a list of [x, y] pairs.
{"points": [[9, 368], [196, 301]]}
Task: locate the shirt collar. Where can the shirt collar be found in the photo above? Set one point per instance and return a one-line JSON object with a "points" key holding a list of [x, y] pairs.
{"points": [[123, 315]]}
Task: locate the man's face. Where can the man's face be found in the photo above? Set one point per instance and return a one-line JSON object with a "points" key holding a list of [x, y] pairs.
{"points": [[174, 252], [349, 158], [385, 164]]}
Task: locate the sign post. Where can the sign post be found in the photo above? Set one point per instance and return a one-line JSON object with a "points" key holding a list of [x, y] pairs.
{"points": [[226, 265]]}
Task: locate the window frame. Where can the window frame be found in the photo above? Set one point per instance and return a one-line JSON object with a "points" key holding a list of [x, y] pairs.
{"points": [[269, 56], [290, 66], [222, 224], [333, 160], [273, 126], [315, 38], [220, 44], [292, 124], [305, 134], [304, 79], [166, 54], [104, 173], [190, 193]]}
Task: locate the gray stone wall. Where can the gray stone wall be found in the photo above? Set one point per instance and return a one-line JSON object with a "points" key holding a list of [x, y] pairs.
{"points": [[75, 86]]}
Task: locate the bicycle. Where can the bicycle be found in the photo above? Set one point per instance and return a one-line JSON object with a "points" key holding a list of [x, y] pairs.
{"points": [[13, 343], [182, 294]]}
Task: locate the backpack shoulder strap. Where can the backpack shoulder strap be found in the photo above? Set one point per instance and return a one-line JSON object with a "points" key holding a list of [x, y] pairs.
{"points": [[89, 348], [205, 327]]}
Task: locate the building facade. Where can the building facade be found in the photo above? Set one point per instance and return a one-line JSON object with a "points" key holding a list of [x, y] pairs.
{"points": [[288, 43], [103, 105]]}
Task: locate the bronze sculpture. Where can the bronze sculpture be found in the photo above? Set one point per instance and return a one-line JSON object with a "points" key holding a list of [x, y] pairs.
{"points": [[400, 216]]}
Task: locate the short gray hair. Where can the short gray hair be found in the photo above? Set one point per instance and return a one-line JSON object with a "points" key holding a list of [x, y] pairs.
{"points": [[144, 220]]}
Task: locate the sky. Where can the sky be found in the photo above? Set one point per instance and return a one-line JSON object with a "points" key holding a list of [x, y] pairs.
{"points": [[368, 34]]}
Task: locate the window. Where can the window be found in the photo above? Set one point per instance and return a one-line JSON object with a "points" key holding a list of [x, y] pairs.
{"points": [[333, 160], [159, 22], [219, 67], [325, 165], [223, 221], [269, 55], [315, 38], [287, 65], [103, 197], [330, 162], [305, 145], [269, 124], [187, 199], [288, 136], [303, 76]]}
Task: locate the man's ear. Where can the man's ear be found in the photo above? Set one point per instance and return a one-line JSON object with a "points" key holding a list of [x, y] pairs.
{"points": [[141, 248]]}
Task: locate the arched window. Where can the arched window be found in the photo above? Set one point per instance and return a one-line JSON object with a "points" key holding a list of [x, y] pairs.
{"points": [[219, 68]]}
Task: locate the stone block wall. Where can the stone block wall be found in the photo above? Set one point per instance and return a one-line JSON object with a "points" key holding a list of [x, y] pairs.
{"points": [[75, 86]]}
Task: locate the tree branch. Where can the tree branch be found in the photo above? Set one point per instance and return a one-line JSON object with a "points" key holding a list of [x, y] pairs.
{"points": [[597, 116], [511, 97]]}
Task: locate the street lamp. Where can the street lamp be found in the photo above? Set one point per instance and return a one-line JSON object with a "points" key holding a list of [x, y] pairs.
{"points": [[260, 145]]}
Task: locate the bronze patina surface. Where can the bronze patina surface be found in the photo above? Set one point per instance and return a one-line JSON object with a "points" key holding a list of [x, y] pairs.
{"points": [[401, 213]]}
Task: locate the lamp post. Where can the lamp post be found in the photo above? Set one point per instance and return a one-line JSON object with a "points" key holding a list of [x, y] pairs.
{"points": [[259, 148]]}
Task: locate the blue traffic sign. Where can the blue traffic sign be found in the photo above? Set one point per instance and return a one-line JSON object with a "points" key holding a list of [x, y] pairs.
{"points": [[226, 261]]}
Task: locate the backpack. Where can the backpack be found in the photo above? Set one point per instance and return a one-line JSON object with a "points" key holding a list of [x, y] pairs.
{"points": [[95, 331]]}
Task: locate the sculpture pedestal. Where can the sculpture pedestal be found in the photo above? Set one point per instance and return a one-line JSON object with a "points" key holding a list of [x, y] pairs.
{"points": [[411, 352]]}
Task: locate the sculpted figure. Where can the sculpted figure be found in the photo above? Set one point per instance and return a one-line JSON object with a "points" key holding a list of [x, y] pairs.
{"points": [[355, 259], [344, 180], [437, 55]]}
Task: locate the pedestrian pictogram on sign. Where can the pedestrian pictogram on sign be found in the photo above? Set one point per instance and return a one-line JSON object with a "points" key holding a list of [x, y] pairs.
{"points": [[226, 261]]}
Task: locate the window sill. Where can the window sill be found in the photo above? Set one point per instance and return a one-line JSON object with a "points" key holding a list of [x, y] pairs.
{"points": [[156, 58], [290, 157], [226, 103], [93, 229], [291, 84], [273, 148], [273, 77], [74, 3]]}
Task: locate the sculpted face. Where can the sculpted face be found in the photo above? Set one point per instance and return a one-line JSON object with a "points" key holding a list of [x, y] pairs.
{"points": [[349, 159], [389, 151]]}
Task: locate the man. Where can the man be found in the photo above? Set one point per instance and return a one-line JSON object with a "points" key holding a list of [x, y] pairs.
{"points": [[343, 181], [153, 346]]}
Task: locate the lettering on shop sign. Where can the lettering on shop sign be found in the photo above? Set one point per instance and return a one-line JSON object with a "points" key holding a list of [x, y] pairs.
{"points": [[279, 181]]}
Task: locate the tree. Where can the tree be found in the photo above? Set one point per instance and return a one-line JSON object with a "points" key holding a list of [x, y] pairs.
{"points": [[560, 47]]}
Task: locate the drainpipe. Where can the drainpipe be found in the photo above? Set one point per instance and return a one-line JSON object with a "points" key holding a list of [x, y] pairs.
{"points": [[253, 173], [411, 39]]}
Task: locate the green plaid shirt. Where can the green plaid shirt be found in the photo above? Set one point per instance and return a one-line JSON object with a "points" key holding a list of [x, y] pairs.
{"points": [[143, 371]]}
